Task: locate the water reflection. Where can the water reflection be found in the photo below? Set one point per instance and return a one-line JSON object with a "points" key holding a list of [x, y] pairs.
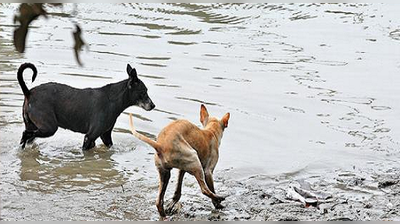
{"points": [[128, 34], [10, 99], [234, 53], [68, 169]]}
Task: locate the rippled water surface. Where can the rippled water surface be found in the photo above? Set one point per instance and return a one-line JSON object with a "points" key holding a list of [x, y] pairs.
{"points": [[311, 88]]}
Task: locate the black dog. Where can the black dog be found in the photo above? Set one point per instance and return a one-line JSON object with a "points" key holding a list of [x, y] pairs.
{"points": [[92, 112]]}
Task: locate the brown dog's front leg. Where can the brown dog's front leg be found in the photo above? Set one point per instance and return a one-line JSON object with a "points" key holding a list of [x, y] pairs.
{"points": [[210, 184], [204, 189], [164, 179]]}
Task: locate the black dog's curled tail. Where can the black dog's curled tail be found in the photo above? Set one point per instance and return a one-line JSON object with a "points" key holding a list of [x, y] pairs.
{"points": [[21, 82]]}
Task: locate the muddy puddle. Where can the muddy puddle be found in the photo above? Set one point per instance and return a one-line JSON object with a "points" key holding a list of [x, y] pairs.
{"points": [[312, 90]]}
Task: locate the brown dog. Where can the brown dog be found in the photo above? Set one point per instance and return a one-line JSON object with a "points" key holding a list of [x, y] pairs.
{"points": [[184, 146]]}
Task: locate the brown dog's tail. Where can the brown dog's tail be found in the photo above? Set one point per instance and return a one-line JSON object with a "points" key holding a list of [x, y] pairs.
{"points": [[20, 77], [149, 141]]}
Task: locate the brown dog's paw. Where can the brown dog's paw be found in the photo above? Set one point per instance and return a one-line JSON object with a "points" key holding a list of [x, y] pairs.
{"points": [[166, 218], [217, 202], [173, 208], [219, 199], [218, 206]]}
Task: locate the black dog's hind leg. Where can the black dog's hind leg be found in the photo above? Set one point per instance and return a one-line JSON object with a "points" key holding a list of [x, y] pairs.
{"points": [[29, 135], [43, 124], [106, 138]]}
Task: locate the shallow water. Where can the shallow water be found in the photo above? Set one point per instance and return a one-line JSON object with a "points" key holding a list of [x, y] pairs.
{"points": [[311, 88]]}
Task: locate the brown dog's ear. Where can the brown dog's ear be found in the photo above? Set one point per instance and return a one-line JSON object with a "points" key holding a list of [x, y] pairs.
{"points": [[203, 115], [225, 119]]}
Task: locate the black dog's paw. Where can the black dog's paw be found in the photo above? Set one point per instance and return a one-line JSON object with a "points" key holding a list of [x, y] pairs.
{"points": [[88, 145], [30, 141], [23, 139]]}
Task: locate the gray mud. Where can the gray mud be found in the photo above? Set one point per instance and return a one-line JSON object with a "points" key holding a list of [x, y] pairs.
{"points": [[356, 194]]}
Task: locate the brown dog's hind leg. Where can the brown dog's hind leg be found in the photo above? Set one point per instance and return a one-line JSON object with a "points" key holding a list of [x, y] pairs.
{"points": [[164, 179], [178, 192]]}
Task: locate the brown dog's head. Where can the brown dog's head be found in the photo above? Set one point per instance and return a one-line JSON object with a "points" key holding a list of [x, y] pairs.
{"points": [[205, 118]]}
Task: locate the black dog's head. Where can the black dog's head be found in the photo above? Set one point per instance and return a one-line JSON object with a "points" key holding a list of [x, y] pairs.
{"points": [[138, 91]]}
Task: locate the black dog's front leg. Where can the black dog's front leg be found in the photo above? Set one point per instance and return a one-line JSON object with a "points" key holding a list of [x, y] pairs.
{"points": [[106, 138], [88, 143], [27, 136]]}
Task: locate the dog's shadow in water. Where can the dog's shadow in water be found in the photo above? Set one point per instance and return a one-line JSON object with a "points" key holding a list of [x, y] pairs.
{"points": [[46, 168]]}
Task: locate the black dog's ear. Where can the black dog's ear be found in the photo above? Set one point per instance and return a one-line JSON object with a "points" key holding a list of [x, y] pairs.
{"points": [[128, 69], [132, 75], [132, 78], [131, 71]]}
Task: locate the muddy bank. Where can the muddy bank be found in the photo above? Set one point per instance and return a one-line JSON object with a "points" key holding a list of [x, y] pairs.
{"points": [[93, 186], [353, 195], [356, 194]]}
